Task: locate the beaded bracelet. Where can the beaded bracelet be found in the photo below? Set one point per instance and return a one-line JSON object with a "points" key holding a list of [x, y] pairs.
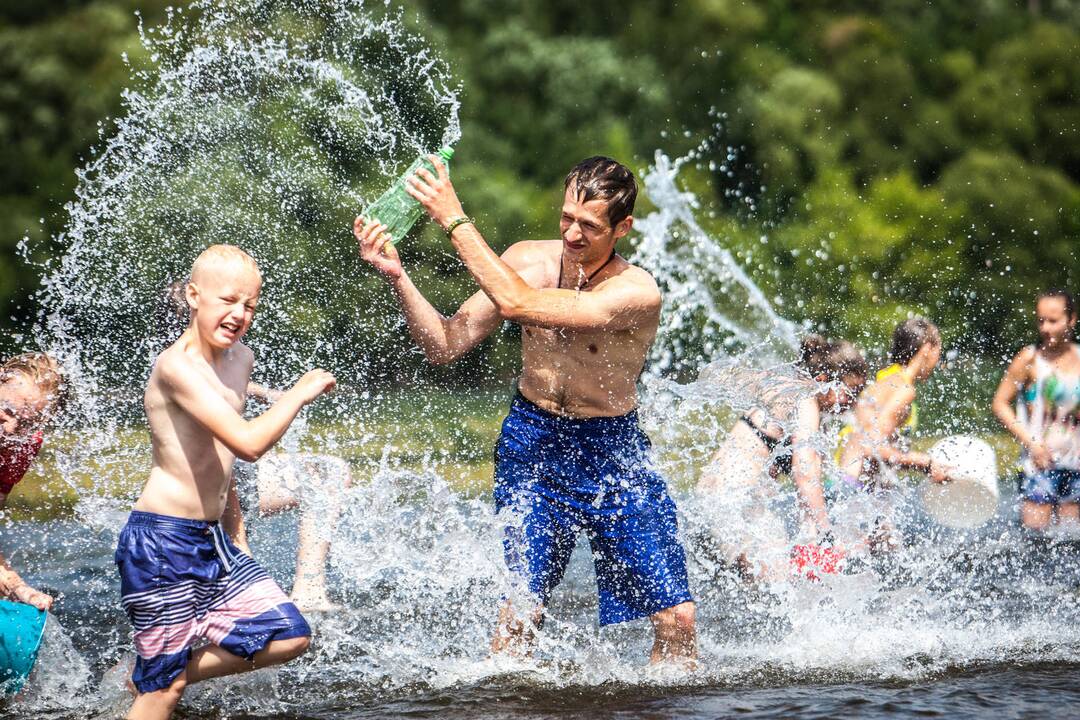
{"points": [[463, 220]]}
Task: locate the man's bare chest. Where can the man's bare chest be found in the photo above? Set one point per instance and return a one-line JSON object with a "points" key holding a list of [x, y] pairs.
{"points": [[569, 341]]}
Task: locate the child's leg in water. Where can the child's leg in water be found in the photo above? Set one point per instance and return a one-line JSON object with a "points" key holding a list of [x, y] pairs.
{"points": [[737, 484], [320, 508]]}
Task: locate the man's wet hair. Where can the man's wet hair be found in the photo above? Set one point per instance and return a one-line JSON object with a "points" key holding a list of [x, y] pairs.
{"points": [[835, 359], [605, 179], [910, 336]]}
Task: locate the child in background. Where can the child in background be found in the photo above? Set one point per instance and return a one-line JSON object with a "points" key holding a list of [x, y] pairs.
{"points": [[780, 433], [887, 411], [185, 570], [876, 443], [1044, 382], [31, 392]]}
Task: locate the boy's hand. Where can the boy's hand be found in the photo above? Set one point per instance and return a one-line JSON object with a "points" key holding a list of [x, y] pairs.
{"points": [[376, 248], [315, 383], [435, 193], [29, 596]]}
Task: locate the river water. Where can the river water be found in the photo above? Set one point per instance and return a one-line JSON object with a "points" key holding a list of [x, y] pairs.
{"points": [[953, 624]]}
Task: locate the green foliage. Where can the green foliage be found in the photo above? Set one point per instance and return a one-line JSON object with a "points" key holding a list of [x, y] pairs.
{"points": [[903, 156]]}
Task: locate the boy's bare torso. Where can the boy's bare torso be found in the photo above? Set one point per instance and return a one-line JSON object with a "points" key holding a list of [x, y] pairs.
{"points": [[191, 469], [582, 373]]}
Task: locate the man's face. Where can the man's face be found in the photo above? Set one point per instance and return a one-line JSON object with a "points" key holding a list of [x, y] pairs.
{"points": [[587, 234], [224, 302], [22, 405]]}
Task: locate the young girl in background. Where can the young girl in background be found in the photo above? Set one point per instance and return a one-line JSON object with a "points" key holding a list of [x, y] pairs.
{"points": [[876, 443], [1044, 382], [887, 412]]}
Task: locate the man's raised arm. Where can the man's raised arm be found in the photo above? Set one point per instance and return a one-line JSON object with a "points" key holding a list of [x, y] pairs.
{"points": [[619, 303], [442, 340]]}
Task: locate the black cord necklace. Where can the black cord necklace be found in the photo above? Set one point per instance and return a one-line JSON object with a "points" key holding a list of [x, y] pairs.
{"points": [[593, 274]]}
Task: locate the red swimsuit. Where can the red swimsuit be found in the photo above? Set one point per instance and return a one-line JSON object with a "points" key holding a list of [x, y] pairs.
{"points": [[15, 461]]}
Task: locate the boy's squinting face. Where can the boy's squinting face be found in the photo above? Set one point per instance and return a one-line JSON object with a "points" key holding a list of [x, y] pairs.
{"points": [[22, 405], [223, 303]]}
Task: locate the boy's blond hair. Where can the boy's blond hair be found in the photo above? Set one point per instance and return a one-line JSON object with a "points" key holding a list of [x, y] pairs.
{"points": [[45, 372], [217, 255]]}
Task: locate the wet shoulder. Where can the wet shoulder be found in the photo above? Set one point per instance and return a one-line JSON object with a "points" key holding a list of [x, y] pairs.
{"points": [[169, 370], [534, 260], [530, 252], [899, 388], [638, 276], [245, 356], [881, 393], [1024, 362], [170, 364]]}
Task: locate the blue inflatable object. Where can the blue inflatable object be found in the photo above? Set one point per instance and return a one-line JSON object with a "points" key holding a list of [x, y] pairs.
{"points": [[21, 628]]}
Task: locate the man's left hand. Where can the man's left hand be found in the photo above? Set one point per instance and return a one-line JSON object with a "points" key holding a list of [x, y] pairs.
{"points": [[435, 193]]}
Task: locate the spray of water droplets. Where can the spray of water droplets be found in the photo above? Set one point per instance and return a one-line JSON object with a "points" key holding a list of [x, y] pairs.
{"points": [[268, 124]]}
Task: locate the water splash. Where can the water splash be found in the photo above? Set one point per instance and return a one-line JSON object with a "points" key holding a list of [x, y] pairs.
{"points": [[712, 307], [262, 124], [267, 122]]}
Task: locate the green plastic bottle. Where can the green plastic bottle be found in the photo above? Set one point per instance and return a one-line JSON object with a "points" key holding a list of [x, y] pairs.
{"points": [[396, 208]]}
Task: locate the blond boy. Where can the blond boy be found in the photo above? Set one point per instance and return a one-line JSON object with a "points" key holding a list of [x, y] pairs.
{"points": [[186, 572]]}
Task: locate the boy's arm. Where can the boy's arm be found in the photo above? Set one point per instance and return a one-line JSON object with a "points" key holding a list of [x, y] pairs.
{"points": [[263, 393], [232, 520], [442, 340], [247, 439], [13, 586]]}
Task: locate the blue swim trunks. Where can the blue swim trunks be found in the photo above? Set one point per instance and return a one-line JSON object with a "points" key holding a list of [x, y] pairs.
{"points": [[560, 476], [1050, 487], [183, 582]]}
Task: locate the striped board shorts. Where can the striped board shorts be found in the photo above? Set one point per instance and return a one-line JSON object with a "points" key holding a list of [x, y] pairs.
{"points": [[182, 583]]}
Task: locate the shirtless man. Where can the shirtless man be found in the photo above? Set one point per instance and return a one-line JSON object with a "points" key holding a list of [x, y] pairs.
{"points": [[571, 455], [186, 572]]}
